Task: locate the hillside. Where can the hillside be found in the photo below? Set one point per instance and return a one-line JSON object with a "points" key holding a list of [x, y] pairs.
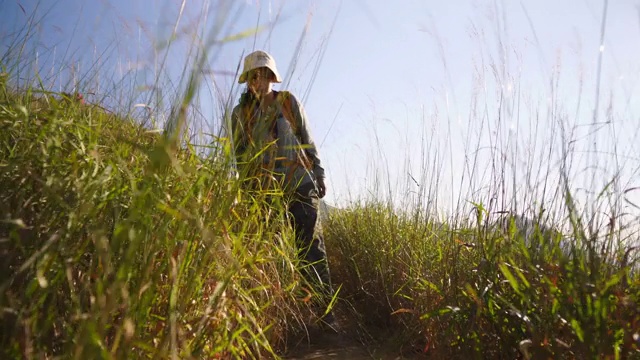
{"points": [[116, 244]]}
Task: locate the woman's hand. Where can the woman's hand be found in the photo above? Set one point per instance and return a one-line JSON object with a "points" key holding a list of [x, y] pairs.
{"points": [[322, 188]]}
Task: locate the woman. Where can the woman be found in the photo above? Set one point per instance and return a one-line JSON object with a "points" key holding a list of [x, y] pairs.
{"points": [[272, 143]]}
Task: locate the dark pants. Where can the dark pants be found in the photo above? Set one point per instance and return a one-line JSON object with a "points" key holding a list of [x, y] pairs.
{"points": [[311, 250]]}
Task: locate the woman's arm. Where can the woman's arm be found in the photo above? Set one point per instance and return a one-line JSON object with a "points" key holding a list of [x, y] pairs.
{"points": [[306, 139]]}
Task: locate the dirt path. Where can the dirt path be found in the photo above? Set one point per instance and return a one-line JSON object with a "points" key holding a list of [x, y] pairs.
{"points": [[339, 349], [352, 341], [323, 345], [331, 352], [347, 344]]}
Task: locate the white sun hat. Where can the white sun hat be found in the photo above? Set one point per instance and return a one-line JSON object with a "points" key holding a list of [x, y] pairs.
{"points": [[258, 59]]}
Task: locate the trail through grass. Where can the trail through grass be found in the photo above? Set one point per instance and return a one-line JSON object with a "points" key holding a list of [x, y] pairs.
{"points": [[122, 242]]}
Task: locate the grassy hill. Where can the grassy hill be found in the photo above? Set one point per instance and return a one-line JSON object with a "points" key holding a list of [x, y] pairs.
{"points": [[118, 244]]}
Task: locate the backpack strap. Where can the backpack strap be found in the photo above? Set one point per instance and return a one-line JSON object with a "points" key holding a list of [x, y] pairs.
{"points": [[284, 99]]}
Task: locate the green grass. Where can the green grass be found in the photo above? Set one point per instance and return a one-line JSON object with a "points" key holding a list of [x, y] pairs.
{"points": [[470, 293], [117, 243], [115, 246]]}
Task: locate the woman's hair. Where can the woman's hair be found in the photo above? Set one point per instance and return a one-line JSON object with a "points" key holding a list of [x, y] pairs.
{"points": [[248, 99], [248, 103]]}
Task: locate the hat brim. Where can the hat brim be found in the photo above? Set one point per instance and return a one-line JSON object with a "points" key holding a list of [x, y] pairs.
{"points": [[243, 77]]}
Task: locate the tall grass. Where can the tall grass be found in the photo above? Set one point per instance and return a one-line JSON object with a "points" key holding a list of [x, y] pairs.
{"points": [[538, 257], [122, 242], [473, 292], [116, 246]]}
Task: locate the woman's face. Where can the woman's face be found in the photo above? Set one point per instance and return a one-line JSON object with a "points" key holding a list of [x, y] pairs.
{"points": [[259, 81]]}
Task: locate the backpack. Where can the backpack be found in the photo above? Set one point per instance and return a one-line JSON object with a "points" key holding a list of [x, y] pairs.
{"points": [[284, 99]]}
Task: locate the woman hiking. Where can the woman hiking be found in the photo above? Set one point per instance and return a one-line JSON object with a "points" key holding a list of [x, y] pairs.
{"points": [[273, 125]]}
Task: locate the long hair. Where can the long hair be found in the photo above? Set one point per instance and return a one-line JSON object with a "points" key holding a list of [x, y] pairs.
{"points": [[248, 103], [248, 99]]}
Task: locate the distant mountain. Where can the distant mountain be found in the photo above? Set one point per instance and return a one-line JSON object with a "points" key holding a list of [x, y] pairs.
{"points": [[531, 230], [325, 209]]}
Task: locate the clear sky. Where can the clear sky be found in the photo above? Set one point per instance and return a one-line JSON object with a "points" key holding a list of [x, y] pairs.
{"points": [[394, 88]]}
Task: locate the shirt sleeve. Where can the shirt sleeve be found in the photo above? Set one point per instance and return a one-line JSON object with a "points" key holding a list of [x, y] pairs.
{"points": [[305, 137]]}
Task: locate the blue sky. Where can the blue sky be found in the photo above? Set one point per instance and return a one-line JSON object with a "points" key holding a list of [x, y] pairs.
{"points": [[396, 81]]}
